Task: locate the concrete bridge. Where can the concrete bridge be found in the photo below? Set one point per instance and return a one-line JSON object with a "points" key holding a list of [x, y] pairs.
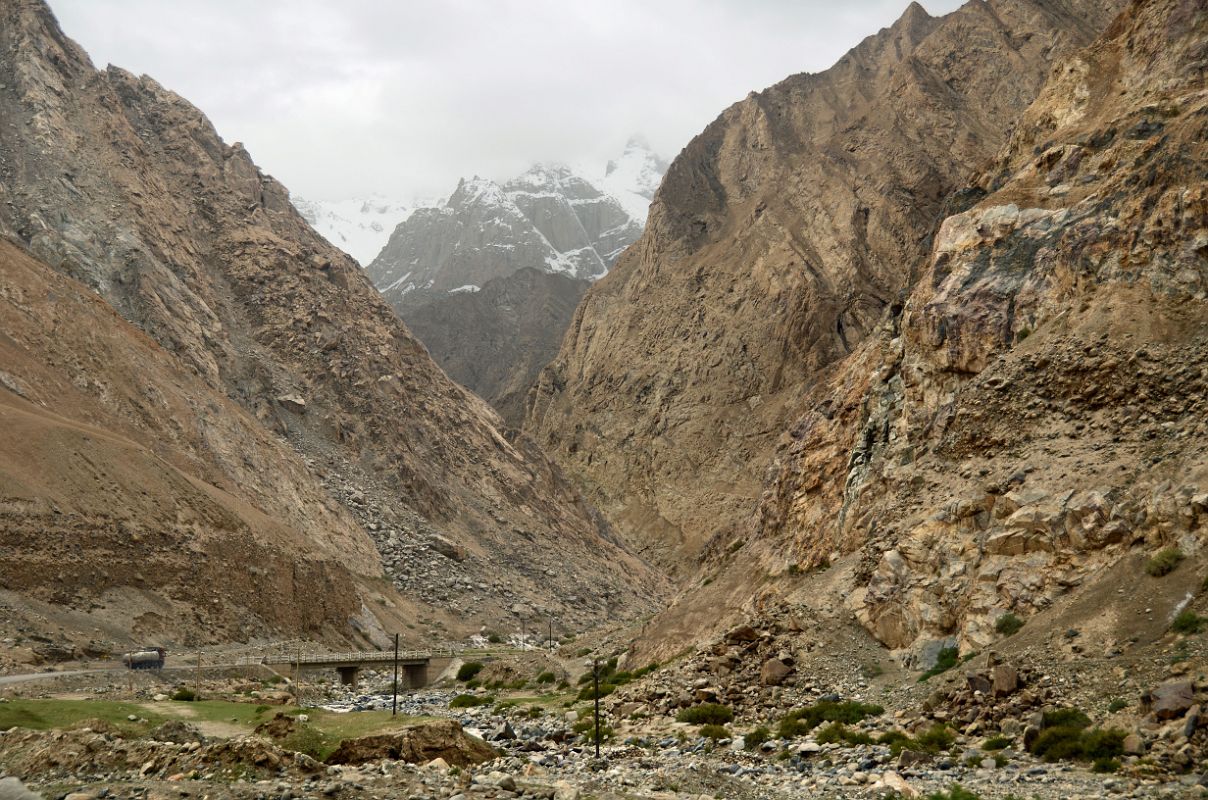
{"points": [[413, 665]]}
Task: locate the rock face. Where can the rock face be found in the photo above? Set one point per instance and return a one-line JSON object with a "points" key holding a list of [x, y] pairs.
{"points": [[496, 341], [126, 191], [549, 218], [1032, 417], [776, 242]]}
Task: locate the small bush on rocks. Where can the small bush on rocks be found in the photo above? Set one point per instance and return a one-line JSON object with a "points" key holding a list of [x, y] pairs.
{"points": [[936, 738], [184, 694], [1066, 735], [468, 670], [1164, 562], [946, 660], [757, 737], [1117, 705], [471, 701], [1008, 624], [996, 743], [546, 677], [1188, 622], [1105, 765], [804, 720], [838, 732], [714, 732], [897, 742], [587, 727], [588, 692], [706, 714]]}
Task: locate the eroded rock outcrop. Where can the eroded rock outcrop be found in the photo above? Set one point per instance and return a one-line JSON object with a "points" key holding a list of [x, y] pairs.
{"points": [[776, 242]]}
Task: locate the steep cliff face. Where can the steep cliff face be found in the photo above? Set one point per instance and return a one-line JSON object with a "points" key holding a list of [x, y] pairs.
{"points": [[1032, 419], [777, 240], [495, 341], [122, 185], [138, 501]]}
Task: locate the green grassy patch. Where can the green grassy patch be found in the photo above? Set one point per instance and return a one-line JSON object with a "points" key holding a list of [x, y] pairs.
{"points": [[1066, 735], [1163, 562], [1188, 622], [804, 720], [1008, 624], [45, 715], [471, 700], [837, 732], [706, 714], [948, 658]]}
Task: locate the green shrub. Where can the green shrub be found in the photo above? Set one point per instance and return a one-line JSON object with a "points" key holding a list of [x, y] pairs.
{"points": [[473, 684], [494, 638], [946, 660], [1164, 562], [535, 711], [1117, 705], [260, 709], [872, 670], [1062, 717], [546, 677], [1188, 622], [955, 792], [1008, 624], [469, 670], [754, 739], [1066, 735], [589, 692], [706, 714], [936, 738], [1105, 765], [308, 741], [996, 743], [646, 670], [185, 694], [804, 720], [837, 732], [587, 727], [714, 732], [471, 701], [897, 742]]}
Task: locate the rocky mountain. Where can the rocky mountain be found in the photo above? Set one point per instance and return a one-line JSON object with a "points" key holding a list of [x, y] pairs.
{"points": [[632, 178], [360, 226], [496, 341], [776, 242], [549, 218], [214, 386], [1025, 432]]}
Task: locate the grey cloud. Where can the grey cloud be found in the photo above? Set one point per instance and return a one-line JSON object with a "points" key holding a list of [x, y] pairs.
{"points": [[402, 98]]}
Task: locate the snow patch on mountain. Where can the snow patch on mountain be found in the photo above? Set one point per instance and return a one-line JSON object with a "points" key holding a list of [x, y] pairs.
{"points": [[360, 226]]}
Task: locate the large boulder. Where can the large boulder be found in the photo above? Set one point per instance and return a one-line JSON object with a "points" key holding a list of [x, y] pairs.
{"points": [[417, 744], [774, 672], [1171, 700]]}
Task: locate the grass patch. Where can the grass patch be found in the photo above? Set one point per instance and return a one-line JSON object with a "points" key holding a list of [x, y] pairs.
{"points": [[1188, 622], [897, 742], [471, 701], [706, 714], [753, 740], [837, 732], [714, 732], [1117, 705], [948, 658], [996, 743], [587, 727], [45, 715], [469, 670], [804, 720], [184, 695], [1066, 735], [936, 738], [546, 677], [1008, 624], [1163, 562]]}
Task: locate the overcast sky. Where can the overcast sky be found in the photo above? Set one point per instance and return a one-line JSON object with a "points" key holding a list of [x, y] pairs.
{"points": [[340, 98]]}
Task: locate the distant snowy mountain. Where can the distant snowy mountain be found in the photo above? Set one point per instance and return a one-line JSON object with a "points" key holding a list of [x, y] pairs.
{"points": [[552, 218], [358, 226], [632, 178]]}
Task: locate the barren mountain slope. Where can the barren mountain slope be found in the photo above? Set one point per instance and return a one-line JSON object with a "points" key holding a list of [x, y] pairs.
{"points": [[1034, 421], [130, 491], [123, 185], [776, 241], [495, 341]]}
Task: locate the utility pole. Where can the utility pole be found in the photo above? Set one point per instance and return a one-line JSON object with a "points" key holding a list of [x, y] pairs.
{"points": [[551, 634], [595, 683], [394, 710]]}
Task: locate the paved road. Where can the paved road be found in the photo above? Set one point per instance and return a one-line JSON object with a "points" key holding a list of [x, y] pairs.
{"points": [[5, 680]]}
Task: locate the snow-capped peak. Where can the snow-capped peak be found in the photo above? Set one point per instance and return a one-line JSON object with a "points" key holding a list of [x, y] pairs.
{"points": [[360, 226]]}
